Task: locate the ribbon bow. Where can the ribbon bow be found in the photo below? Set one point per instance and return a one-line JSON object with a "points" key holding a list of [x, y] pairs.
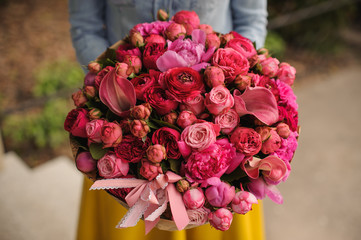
{"points": [[149, 198]]}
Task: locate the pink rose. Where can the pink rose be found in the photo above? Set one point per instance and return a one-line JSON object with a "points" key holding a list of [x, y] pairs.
{"points": [[227, 121], [200, 136], [221, 219], [76, 121], [231, 62], [242, 202], [272, 144], [156, 153], [214, 76], [110, 166], [286, 73], [193, 104], [174, 31], [139, 128], [220, 194], [86, 163], [156, 96], [210, 162], [242, 45], [198, 216], [212, 40], [194, 198], [283, 130], [269, 66], [111, 134], [79, 98], [141, 111], [246, 140], [132, 149], [168, 137], [219, 99], [94, 130], [149, 170], [142, 82], [186, 118], [170, 118], [134, 64]]}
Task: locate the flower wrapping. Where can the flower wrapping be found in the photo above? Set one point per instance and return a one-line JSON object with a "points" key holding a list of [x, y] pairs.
{"points": [[183, 125]]}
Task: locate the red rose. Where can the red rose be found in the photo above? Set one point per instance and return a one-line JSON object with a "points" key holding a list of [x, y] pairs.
{"points": [[142, 82], [231, 62], [169, 138], [159, 101], [132, 149], [76, 121], [182, 83], [152, 52], [246, 140]]}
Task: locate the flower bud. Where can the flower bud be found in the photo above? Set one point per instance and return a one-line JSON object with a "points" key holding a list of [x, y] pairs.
{"points": [[134, 64], [156, 153], [170, 118], [221, 219], [186, 118], [174, 31], [242, 202], [139, 128], [272, 144], [141, 111], [85, 162], [264, 132], [90, 91], [122, 69], [94, 113], [136, 39], [94, 67], [263, 51], [149, 170], [206, 28], [212, 40], [162, 15], [79, 98], [242, 82], [194, 198], [182, 186], [283, 130], [214, 76], [226, 38]]}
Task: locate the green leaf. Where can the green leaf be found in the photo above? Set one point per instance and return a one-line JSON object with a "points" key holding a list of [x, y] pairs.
{"points": [[235, 175], [97, 151], [165, 124], [175, 164]]}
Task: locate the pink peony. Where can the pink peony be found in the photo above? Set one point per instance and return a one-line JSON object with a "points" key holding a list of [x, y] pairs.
{"points": [[156, 153], [219, 100], [210, 162], [221, 219], [194, 198], [132, 149], [93, 130], [242, 202], [186, 118], [149, 170], [227, 121], [110, 166], [272, 143], [246, 141], [286, 73], [168, 137], [193, 104], [147, 29], [220, 194], [76, 121], [214, 76]]}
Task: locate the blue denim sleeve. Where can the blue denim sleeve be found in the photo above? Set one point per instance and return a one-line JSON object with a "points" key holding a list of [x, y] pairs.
{"points": [[87, 28], [250, 19]]}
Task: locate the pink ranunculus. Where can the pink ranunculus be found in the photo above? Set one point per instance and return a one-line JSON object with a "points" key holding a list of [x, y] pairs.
{"points": [[139, 128], [269, 66], [94, 130], [201, 135], [168, 137], [174, 31], [214, 76], [111, 134], [189, 19], [198, 216], [155, 38], [151, 53], [286, 73], [242, 82], [126, 49], [212, 40], [110, 166], [149, 170], [193, 104], [219, 100], [210, 162], [242, 45], [141, 112], [242, 202], [134, 64], [156, 96], [79, 98], [86, 163], [143, 81], [246, 140], [220, 194], [181, 83], [283, 130], [288, 147], [156, 153], [186, 53], [221, 219], [231, 62], [194, 198], [227, 121], [76, 121], [170, 118], [186, 118], [132, 149], [206, 28], [271, 144]]}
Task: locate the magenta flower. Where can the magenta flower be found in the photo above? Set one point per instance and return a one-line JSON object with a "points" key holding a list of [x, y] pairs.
{"points": [[220, 194]]}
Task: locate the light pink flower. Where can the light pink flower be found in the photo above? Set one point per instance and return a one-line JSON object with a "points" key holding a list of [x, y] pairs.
{"points": [[221, 219], [242, 202], [198, 216], [186, 118], [156, 153], [134, 64], [260, 189], [111, 134], [93, 130], [193, 104], [286, 73], [122, 69], [149, 170], [214, 76], [220, 194], [110, 166], [219, 99], [227, 121], [283, 130], [194, 198], [271, 144]]}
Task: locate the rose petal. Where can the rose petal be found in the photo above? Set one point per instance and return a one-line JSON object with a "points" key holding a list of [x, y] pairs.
{"points": [[117, 93], [257, 101], [170, 59]]}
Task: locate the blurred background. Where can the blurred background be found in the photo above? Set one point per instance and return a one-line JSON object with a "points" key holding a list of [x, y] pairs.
{"points": [[320, 38]]}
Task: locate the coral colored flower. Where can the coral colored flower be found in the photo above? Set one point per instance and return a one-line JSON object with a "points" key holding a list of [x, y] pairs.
{"points": [[156, 153], [149, 170], [286, 73], [79, 98], [174, 31], [214, 76], [269, 66], [139, 128], [272, 143], [111, 134], [221, 219], [242, 45]]}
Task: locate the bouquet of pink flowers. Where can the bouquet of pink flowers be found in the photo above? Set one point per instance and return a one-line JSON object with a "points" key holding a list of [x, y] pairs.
{"points": [[185, 125]]}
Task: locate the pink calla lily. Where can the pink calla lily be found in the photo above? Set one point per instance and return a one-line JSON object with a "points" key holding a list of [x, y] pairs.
{"points": [[257, 101], [260, 189], [117, 93]]}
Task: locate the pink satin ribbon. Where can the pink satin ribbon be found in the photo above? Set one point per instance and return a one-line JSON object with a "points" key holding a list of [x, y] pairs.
{"points": [[149, 199]]}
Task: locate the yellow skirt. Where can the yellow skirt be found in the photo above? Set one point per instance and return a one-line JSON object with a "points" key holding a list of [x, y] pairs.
{"points": [[100, 213]]}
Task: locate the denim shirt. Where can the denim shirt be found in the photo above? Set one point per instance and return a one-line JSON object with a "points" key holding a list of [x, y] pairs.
{"points": [[97, 24]]}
